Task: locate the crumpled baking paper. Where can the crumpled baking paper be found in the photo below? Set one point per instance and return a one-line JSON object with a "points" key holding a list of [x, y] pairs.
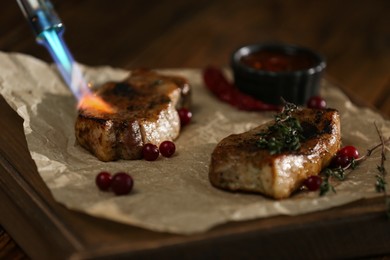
{"points": [[170, 194]]}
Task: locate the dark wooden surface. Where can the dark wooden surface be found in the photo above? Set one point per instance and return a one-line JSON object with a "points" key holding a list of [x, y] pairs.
{"points": [[354, 36]]}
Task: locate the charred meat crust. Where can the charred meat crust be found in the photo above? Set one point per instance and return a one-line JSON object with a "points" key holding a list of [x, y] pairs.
{"points": [[238, 164], [145, 105], [142, 77]]}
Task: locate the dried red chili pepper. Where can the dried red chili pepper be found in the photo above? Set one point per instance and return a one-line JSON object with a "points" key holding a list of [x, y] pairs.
{"points": [[218, 84]]}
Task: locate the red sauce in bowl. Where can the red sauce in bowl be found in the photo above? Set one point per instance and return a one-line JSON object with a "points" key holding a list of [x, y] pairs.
{"points": [[276, 61]]}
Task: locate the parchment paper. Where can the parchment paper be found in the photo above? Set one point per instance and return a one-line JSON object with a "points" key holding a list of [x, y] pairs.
{"points": [[171, 195]]}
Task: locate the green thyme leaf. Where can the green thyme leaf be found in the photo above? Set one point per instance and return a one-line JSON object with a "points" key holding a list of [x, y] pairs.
{"points": [[284, 135], [353, 164], [380, 184], [338, 173], [326, 186]]}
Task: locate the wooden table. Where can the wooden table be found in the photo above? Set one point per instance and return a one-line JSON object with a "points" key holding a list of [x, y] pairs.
{"points": [[354, 36]]}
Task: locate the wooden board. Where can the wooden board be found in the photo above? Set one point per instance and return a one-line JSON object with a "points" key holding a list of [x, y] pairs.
{"points": [[46, 230]]}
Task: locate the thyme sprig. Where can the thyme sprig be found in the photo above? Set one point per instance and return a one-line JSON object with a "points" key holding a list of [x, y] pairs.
{"points": [[285, 134], [340, 173], [337, 173]]}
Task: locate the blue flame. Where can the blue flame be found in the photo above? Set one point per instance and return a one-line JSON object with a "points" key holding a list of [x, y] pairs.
{"points": [[59, 51], [53, 41], [49, 30]]}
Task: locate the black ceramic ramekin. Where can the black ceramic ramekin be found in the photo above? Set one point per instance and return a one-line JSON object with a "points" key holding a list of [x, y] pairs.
{"points": [[295, 84]]}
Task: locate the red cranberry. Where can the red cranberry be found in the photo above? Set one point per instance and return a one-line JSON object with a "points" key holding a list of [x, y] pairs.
{"points": [[185, 116], [150, 152], [340, 161], [103, 180], [345, 156], [349, 151], [167, 148], [122, 183], [313, 182], [316, 102]]}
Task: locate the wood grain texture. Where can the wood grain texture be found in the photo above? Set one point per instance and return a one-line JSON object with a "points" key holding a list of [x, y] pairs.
{"points": [[354, 36]]}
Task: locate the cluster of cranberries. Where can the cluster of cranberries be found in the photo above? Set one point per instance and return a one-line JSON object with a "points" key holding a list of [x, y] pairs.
{"points": [[343, 158], [150, 152], [120, 183]]}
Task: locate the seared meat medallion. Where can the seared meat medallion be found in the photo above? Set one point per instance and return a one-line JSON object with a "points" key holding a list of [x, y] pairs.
{"points": [[145, 112], [238, 163]]}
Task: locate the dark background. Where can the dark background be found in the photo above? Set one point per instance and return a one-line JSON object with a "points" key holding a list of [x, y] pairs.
{"points": [[354, 36]]}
